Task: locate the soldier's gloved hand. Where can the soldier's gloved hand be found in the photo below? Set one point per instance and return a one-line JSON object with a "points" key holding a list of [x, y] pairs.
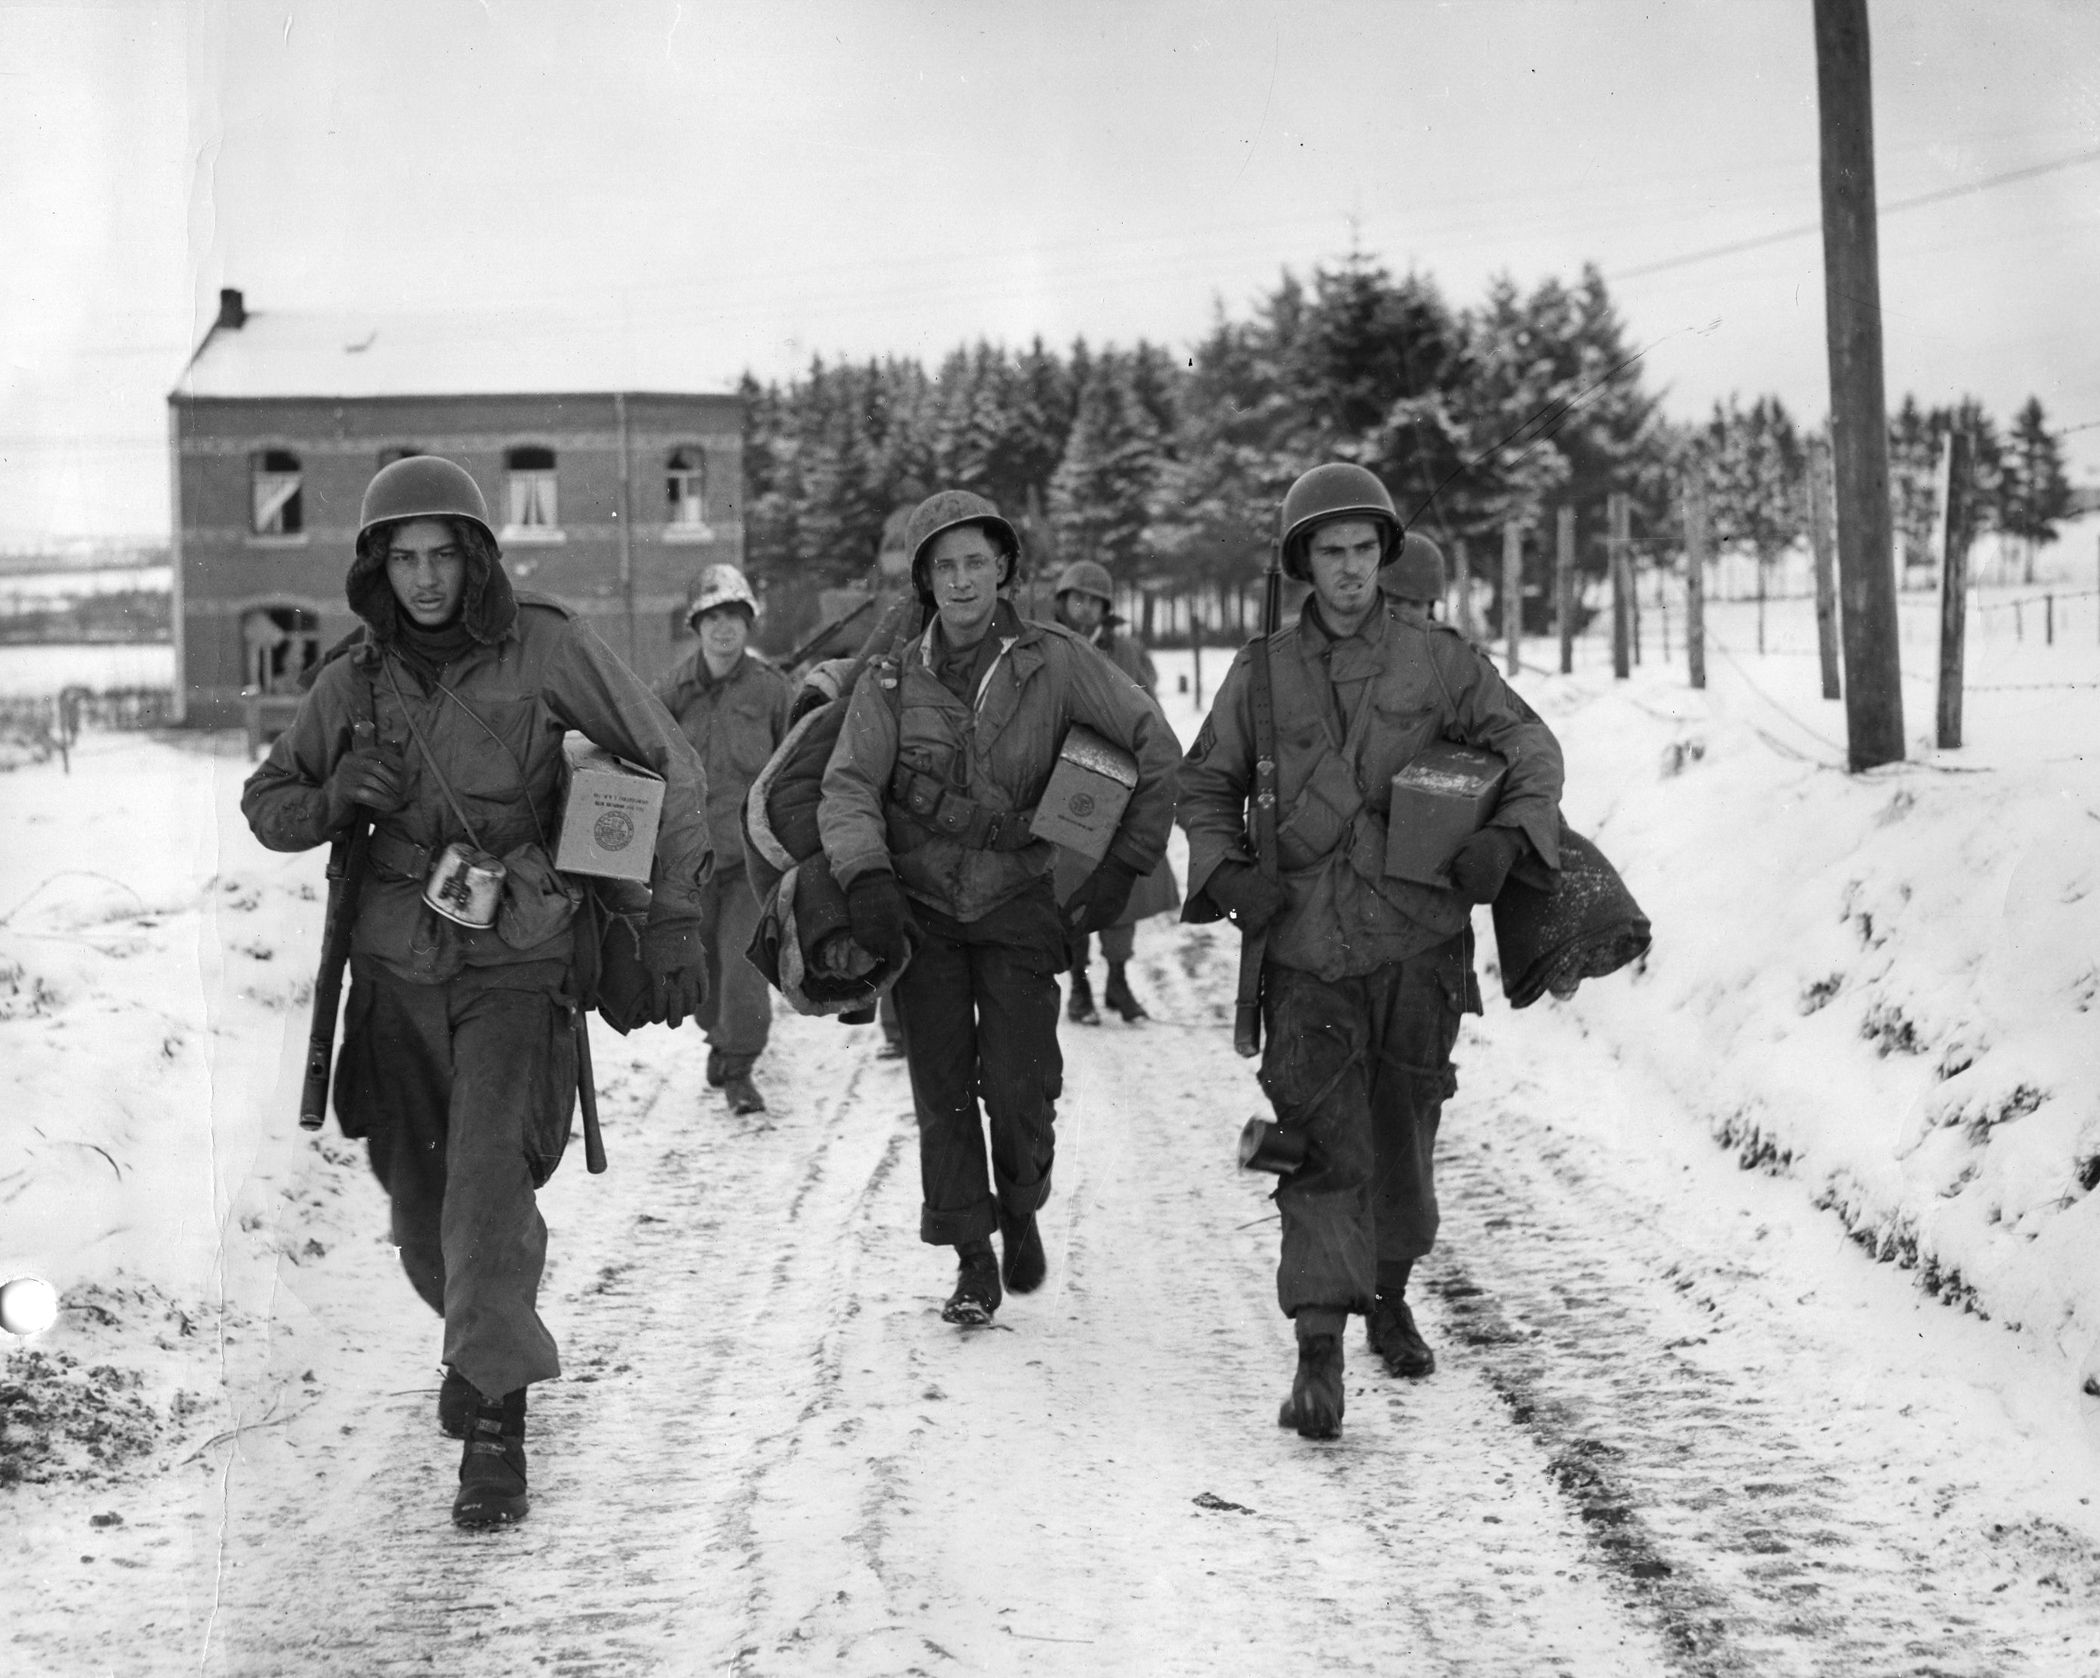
{"points": [[675, 957], [1483, 863], [880, 918], [1245, 893], [1101, 896], [369, 776]]}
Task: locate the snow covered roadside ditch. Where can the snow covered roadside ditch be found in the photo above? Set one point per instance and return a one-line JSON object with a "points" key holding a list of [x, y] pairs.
{"points": [[1879, 986]]}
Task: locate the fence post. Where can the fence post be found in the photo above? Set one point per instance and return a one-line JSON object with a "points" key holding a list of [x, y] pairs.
{"points": [[1564, 589], [1954, 591], [1821, 545], [1620, 514], [1196, 650], [1512, 594], [2048, 620], [1695, 579]]}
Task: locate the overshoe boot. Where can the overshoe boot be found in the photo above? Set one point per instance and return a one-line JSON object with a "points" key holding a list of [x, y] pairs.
{"points": [[456, 1401], [977, 1293], [1079, 1007], [1026, 1263], [715, 1075], [1394, 1337], [1118, 996], [492, 1468], [1315, 1405]]}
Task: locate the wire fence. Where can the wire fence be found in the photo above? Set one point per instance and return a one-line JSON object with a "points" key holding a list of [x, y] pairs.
{"points": [[36, 728]]}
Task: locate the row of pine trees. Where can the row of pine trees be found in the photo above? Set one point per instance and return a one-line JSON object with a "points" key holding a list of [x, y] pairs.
{"points": [[1168, 467]]}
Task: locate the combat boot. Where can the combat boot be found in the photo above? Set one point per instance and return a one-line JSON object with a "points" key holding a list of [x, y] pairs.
{"points": [[1315, 1405], [492, 1468], [456, 1401], [1118, 996], [977, 1293], [1079, 1007], [1394, 1337], [1025, 1264], [742, 1094]]}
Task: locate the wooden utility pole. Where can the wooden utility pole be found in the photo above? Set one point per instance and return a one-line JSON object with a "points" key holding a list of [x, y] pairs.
{"points": [[626, 524], [1821, 545], [1564, 589], [1858, 406], [1620, 515], [1512, 594], [1695, 554], [1954, 588]]}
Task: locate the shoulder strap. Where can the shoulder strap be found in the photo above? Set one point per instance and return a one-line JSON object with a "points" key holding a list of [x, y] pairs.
{"points": [[437, 774]]}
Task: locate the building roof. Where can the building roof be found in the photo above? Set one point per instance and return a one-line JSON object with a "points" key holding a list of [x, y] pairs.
{"points": [[496, 352]]}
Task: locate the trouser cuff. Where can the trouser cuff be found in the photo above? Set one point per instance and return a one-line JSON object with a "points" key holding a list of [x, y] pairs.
{"points": [[1017, 1200], [946, 1229], [1320, 1319]]}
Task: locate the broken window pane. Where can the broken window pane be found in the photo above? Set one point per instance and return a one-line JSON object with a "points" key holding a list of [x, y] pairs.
{"points": [[276, 508]]}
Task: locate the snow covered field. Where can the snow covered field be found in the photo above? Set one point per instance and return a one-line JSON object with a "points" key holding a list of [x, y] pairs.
{"points": [[33, 672], [1684, 1422]]}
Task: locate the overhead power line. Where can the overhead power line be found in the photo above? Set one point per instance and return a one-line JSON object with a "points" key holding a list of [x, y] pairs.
{"points": [[1939, 196]]}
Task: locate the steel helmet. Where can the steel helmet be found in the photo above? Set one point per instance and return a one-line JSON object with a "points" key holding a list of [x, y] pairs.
{"points": [[1416, 572], [1335, 491], [422, 486], [721, 585], [947, 510], [1084, 576]]}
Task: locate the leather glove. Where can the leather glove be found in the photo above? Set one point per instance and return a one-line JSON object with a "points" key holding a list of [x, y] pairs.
{"points": [[880, 918], [1101, 896], [369, 776], [675, 957], [1484, 861], [1245, 893]]}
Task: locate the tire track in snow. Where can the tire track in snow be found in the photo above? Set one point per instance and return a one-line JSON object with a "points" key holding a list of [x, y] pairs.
{"points": [[682, 1304], [1028, 1495], [1763, 1515]]}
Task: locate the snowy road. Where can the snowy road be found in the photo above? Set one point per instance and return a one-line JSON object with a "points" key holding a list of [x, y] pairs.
{"points": [[1681, 1426]]}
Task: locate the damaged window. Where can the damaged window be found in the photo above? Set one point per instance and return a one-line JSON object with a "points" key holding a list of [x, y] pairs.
{"points": [[274, 477], [279, 644]]}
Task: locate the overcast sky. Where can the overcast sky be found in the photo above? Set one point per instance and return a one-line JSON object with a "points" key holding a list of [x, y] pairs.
{"points": [[752, 184]]}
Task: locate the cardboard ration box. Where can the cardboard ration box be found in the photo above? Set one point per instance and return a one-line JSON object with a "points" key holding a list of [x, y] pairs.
{"points": [[1440, 800], [1090, 785], [609, 812]]}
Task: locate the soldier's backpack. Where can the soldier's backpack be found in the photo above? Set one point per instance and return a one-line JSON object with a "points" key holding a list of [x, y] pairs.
{"points": [[803, 944]]}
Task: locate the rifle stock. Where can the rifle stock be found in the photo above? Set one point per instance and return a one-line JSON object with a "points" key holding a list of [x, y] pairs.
{"points": [[346, 873], [1246, 1012], [587, 1093], [346, 878]]}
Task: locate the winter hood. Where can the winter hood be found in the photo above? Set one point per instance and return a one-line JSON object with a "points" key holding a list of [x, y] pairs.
{"points": [[488, 605]]}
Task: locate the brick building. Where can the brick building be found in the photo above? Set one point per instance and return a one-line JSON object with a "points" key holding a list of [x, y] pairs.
{"points": [[608, 496]]}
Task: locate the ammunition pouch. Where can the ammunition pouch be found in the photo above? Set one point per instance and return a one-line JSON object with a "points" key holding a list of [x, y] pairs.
{"points": [[925, 804], [392, 857]]}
